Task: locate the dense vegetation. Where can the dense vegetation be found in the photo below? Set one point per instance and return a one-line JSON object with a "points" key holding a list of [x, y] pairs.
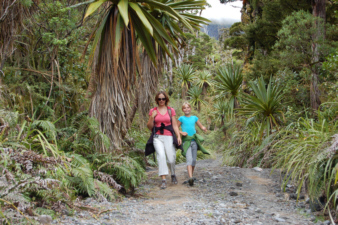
{"points": [[288, 105], [78, 79]]}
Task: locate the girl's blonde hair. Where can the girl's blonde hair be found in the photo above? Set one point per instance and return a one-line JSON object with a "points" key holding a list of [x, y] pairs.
{"points": [[186, 103]]}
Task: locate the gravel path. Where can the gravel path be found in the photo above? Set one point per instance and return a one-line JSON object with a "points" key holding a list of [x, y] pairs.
{"points": [[221, 195]]}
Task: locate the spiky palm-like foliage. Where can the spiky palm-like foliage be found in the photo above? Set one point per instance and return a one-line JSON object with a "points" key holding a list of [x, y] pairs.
{"points": [[185, 74], [265, 105], [222, 109], [203, 79], [195, 94], [128, 27], [228, 81]]}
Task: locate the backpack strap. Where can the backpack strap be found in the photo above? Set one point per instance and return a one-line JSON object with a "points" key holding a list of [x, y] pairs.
{"points": [[153, 134], [154, 122], [169, 112]]}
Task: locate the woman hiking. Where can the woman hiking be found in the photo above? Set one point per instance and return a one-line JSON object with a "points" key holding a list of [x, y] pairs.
{"points": [[164, 139]]}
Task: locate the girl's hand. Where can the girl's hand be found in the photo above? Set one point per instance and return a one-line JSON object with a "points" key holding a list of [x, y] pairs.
{"points": [[154, 113], [204, 129], [179, 140], [184, 133]]}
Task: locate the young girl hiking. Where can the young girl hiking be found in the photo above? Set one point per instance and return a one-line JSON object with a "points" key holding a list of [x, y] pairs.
{"points": [[163, 137], [191, 140]]}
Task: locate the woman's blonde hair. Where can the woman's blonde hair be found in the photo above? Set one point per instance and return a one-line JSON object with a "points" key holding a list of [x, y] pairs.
{"points": [[186, 103]]}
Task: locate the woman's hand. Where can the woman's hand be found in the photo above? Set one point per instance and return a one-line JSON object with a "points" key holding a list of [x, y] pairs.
{"points": [[184, 133], [150, 123], [154, 114], [204, 129], [177, 131]]}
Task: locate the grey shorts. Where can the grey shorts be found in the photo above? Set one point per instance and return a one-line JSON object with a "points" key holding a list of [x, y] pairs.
{"points": [[191, 154]]}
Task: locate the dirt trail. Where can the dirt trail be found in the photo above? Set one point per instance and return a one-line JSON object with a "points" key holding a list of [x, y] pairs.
{"points": [[221, 195]]}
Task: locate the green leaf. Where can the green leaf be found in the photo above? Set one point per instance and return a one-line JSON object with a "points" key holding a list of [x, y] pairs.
{"points": [[123, 9], [142, 17], [160, 41], [99, 34], [145, 38], [171, 12], [159, 28], [118, 31], [93, 7]]}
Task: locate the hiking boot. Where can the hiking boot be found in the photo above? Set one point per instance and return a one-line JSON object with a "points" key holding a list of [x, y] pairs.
{"points": [[191, 181], [164, 184], [187, 181], [174, 179]]}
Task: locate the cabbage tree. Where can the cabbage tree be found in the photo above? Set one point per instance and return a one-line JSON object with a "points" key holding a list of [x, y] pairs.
{"points": [[265, 105], [228, 82], [203, 79], [195, 94], [185, 74]]}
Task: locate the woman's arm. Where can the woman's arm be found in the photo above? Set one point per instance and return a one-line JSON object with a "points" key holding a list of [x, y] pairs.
{"points": [[177, 131], [201, 126], [150, 123]]}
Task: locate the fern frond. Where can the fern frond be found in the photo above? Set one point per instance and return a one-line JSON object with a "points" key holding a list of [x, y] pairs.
{"points": [[47, 127], [104, 189]]}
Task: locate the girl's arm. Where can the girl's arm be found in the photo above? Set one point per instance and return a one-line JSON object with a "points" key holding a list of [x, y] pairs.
{"points": [[177, 131], [181, 132], [150, 123], [201, 126]]}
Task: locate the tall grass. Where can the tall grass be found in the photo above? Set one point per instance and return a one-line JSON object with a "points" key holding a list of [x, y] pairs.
{"points": [[301, 152], [244, 143]]}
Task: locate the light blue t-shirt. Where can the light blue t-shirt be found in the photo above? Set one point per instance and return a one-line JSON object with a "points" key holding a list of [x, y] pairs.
{"points": [[188, 124]]}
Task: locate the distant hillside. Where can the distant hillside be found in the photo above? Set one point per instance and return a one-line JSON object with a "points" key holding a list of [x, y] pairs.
{"points": [[213, 28]]}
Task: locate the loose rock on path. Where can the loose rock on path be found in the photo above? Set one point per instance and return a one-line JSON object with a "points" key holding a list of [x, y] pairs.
{"points": [[221, 195]]}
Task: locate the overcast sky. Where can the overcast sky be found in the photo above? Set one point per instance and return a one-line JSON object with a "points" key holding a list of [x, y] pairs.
{"points": [[218, 11]]}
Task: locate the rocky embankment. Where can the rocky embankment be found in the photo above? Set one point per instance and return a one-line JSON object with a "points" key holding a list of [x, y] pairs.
{"points": [[220, 195]]}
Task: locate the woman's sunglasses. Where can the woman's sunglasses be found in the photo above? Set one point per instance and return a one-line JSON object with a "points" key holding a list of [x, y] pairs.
{"points": [[163, 99]]}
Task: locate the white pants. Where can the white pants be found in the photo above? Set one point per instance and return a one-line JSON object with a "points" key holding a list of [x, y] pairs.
{"points": [[165, 153]]}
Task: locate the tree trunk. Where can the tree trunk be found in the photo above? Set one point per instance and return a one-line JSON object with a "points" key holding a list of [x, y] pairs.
{"points": [[236, 104], [170, 70], [133, 111], [223, 127], [318, 10], [208, 123], [204, 89], [184, 92]]}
